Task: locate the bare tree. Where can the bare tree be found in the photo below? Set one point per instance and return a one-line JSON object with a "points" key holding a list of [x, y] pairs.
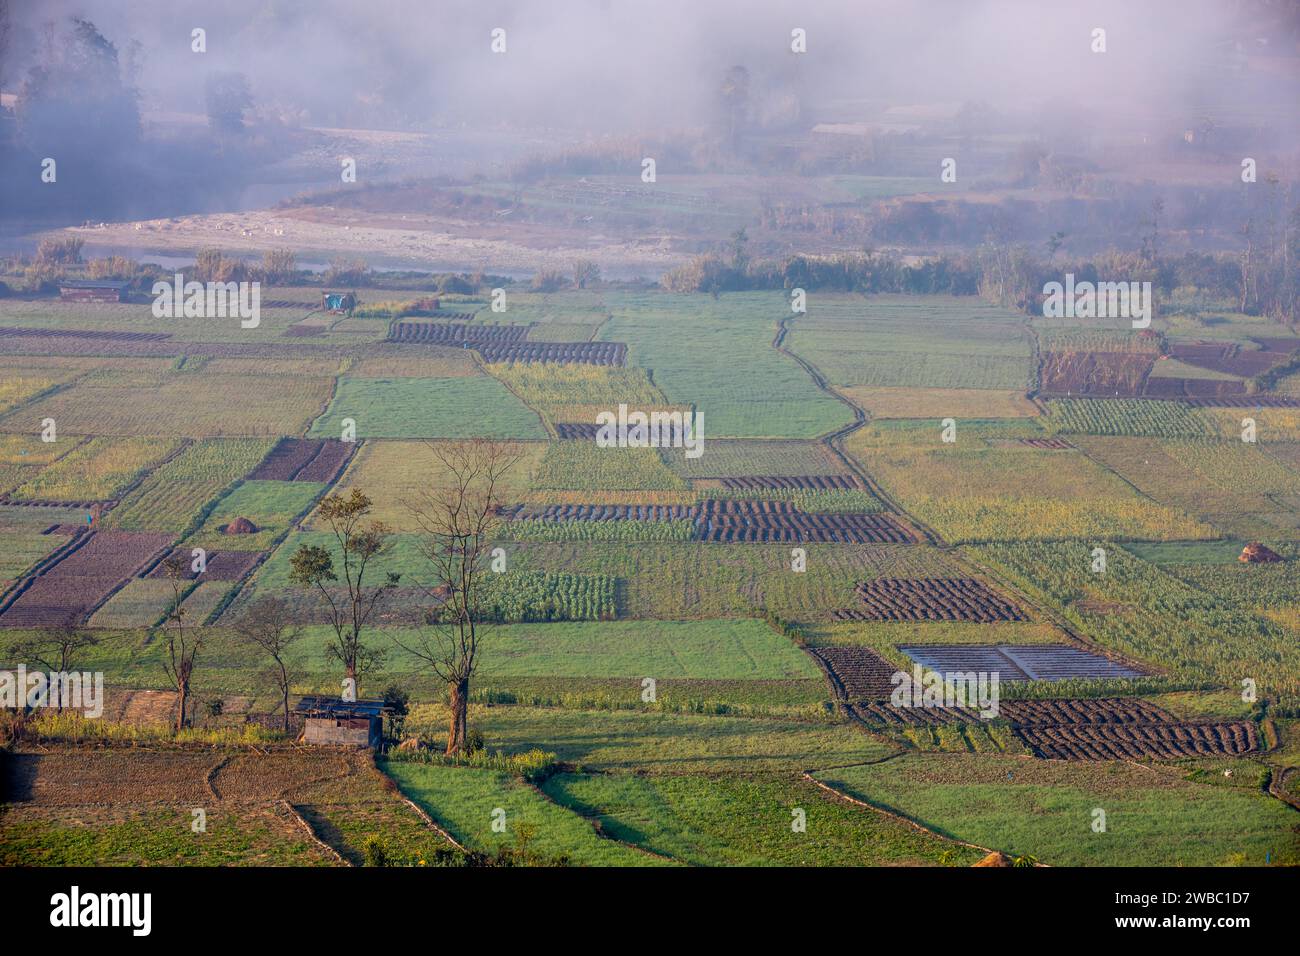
{"points": [[360, 543], [458, 519], [271, 625], [57, 651], [182, 648], [585, 273]]}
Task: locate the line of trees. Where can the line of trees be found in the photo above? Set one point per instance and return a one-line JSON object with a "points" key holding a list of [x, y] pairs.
{"points": [[1261, 279]]}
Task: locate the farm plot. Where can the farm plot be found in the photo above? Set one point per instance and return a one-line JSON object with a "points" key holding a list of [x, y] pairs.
{"points": [[1024, 713], [929, 599], [978, 490], [579, 466], [587, 353], [761, 459], [1230, 358], [1145, 613], [694, 580], [398, 475], [1044, 808], [431, 362], [1129, 417], [586, 385], [1152, 467], [726, 524], [303, 459], [65, 591], [18, 389], [139, 603], [185, 404], [218, 565], [756, 393], [131, 806], [793, 483], [939, 403], [175, 496], [914, 342], [1140, 741], [455, 407], [1195, 391], [860, 673], [464, 801], [97, 470], [1273, 423], [1107, 374], [653, 742], [20, 550], [271, 506], [707, 820], [719, 649], [1027, 662], [456, 334]]}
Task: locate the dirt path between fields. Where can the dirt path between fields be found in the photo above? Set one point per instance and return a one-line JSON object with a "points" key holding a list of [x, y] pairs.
{"points": [[835, 440]]}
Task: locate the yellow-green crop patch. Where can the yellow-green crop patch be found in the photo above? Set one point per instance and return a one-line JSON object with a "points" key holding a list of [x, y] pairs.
{"points": [[95, 470]]}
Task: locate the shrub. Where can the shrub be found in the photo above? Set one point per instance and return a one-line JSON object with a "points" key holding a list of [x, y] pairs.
{"points": [[60, 250]]}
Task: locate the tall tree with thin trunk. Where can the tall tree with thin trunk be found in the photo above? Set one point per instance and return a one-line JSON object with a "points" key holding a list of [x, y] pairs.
{"points": [[270, 624], [360, 543], [57, 651], [458, 518], [181, 647]]}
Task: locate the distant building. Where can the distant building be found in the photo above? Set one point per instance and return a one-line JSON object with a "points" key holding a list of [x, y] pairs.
{"points": [[93, 290], [345, 723]]}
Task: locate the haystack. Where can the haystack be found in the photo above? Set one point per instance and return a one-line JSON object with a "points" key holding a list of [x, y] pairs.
{"points": [[994, 859], [240, 525], [1256, 553]]}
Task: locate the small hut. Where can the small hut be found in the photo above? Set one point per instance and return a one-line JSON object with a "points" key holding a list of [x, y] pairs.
{"points": [[338, 303], [87, 290], [345, 723], [1256, 553]]}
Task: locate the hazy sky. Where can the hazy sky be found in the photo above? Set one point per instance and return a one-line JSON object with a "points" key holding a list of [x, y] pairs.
{"points": [[597, 65]]}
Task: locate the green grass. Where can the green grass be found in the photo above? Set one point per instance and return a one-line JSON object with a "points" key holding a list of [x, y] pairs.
{"points": [[728, 821], [1045, 808], [712, 650], [270, 505], [459, 407], [1167, 553], [913, 341], [716, 354], [19, 550], [630, 740], [466, 801], [155, 837], [141, 603]]}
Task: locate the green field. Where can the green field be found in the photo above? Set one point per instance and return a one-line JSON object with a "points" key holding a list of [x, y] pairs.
{"points": [[1046, 809], [457, 407], [673, 680]]}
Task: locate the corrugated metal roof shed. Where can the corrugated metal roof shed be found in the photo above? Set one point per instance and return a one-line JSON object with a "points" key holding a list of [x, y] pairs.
{"points": [[94, 284], [315, 706]]}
